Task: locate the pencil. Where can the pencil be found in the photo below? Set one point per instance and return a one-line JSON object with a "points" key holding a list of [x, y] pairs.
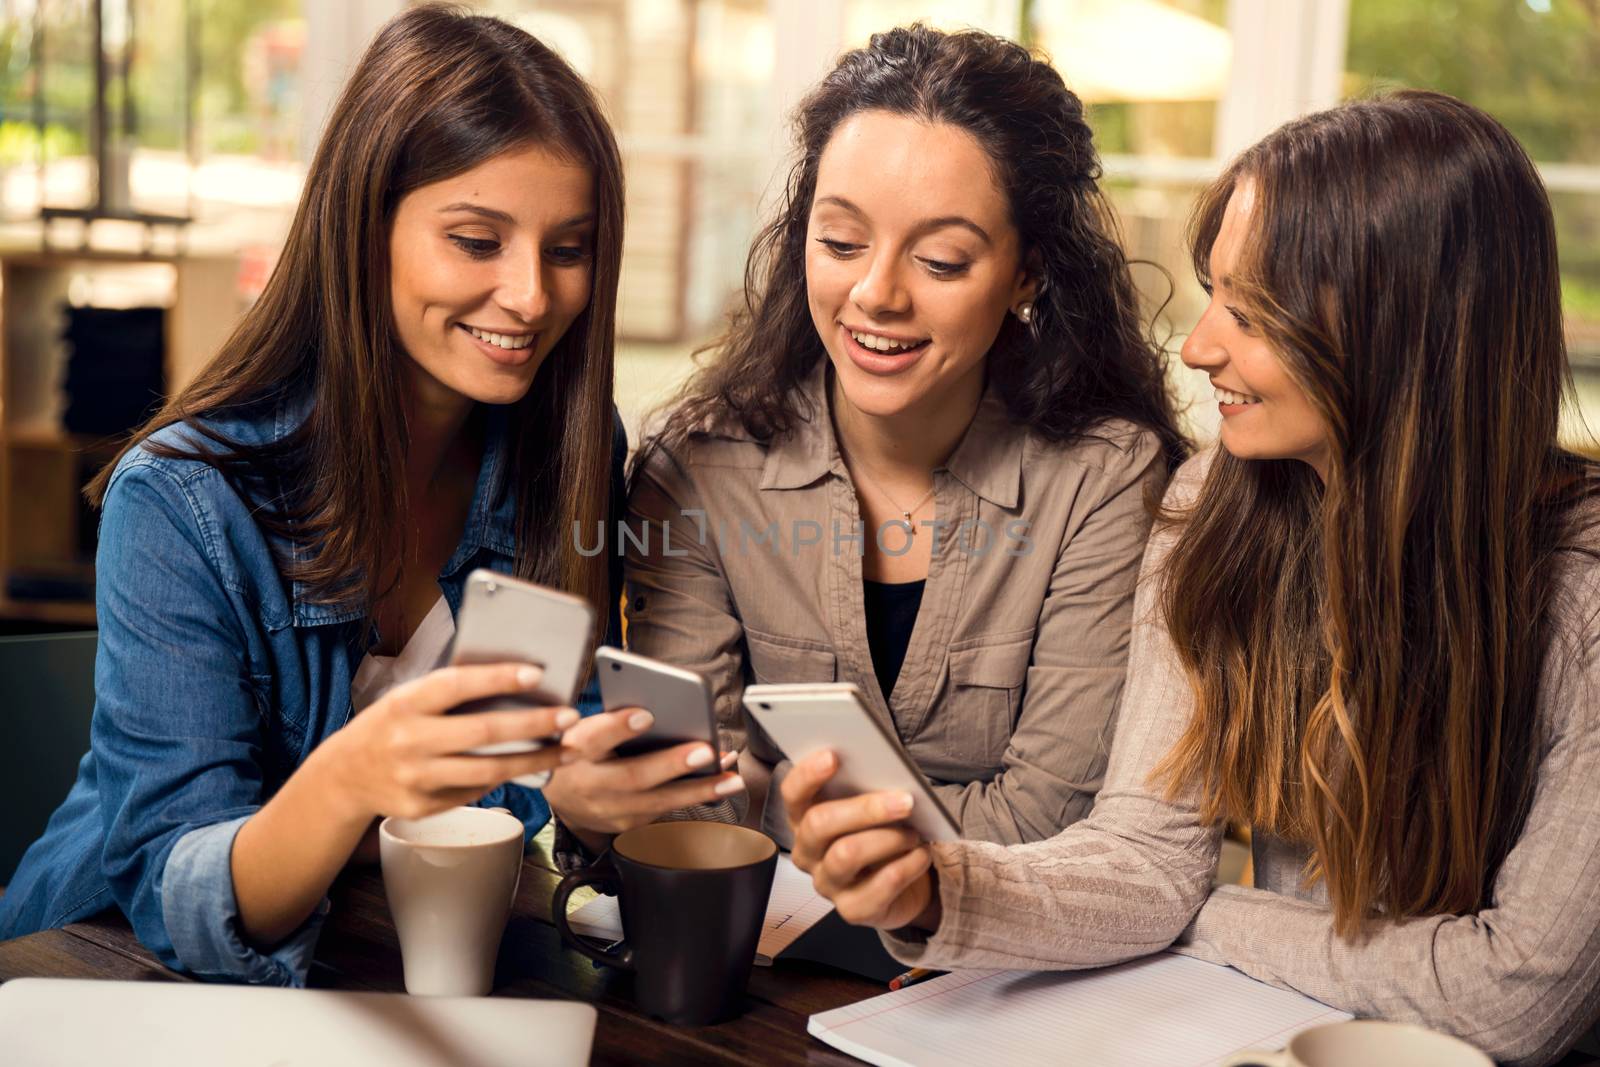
{"points": [[912, 977]]}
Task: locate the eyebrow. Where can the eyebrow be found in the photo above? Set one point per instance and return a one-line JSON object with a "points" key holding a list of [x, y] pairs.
{"points": [[501, 216], [927, 224]]}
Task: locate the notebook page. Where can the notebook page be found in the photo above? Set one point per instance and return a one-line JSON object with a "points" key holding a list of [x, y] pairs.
{"points": [[792, 909], [1160, 1011]]}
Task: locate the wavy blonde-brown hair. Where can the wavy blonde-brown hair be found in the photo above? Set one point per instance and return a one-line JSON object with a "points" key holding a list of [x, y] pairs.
{"points": [[1365, 656]]}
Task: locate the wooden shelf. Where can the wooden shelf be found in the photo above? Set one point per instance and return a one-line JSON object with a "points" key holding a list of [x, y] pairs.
{"points": [[44, 523], [54, 612]]}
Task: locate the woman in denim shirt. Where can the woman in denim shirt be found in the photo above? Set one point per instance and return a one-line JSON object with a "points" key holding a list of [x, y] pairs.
{"points": [[423, 388]]}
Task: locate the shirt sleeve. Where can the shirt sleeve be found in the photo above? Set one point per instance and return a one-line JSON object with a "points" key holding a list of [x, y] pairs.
{"points": [[176, 732], [1123, 882], [1520, 979], [680, 609], [1055, 760]]}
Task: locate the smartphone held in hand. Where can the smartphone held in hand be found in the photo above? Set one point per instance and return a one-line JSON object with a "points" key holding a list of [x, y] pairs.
{"points": [[508, 620], [679, 700], [803, 719]]}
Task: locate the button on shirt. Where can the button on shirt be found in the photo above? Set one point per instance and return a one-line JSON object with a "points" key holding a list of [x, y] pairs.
{"points": [[744, 562], [214, 680]]}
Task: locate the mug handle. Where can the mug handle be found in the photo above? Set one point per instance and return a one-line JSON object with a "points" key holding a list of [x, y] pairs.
{"points": [[1259, 1058], [598, 873]]}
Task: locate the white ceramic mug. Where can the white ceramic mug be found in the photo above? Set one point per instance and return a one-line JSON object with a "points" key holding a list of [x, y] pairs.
{"points": [[450, 880], [1364, 1042]]}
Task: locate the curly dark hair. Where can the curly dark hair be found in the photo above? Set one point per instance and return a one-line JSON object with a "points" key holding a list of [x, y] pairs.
{"points": [[1085, 357]]}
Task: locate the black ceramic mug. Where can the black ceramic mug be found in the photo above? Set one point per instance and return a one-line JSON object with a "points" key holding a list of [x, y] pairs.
{"points": [[693, 896]]}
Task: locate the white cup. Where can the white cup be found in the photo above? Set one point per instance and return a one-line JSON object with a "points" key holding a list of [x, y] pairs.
{"points": [[451, 879], [1364, 1042]]}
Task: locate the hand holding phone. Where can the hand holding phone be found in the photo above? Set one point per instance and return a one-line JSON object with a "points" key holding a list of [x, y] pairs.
{"points": [[804, 719], [507, 620], [629, 778], [678, 699]]}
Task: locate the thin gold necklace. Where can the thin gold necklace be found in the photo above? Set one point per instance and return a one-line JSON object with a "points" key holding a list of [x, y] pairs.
{"points": [[881, 491]]}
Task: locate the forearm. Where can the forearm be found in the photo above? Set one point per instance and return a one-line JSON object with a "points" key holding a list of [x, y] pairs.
{"points": [[1086, 898], [1522, 995], [289, 852], [1015, 808]]}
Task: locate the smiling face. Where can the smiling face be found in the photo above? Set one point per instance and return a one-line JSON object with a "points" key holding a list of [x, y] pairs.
{"points": [[911, 265], [1265, 414], [488, 269]]}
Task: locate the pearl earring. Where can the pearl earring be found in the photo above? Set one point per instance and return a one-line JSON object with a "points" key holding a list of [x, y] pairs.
{"points": [[1025, 312]]}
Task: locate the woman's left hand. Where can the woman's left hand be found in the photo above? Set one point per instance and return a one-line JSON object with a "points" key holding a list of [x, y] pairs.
{"points": [[876, 873]]}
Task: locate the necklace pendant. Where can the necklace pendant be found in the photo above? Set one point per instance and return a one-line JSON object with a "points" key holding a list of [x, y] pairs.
{"points": [[907, 514]]}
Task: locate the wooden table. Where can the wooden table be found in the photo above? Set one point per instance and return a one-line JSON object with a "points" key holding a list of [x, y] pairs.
{"points": [[358, 950]]}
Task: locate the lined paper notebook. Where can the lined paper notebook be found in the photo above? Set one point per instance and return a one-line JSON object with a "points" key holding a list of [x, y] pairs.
{"points": [[1160, 1011], [792, 909]]}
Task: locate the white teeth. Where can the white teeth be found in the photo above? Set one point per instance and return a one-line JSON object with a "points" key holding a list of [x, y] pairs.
{"points": [[502, 340], [1228, 396], [882, 344]]}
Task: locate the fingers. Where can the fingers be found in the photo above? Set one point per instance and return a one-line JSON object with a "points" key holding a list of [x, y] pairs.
{"points": [[438, 691], [804, 780], [462, 733], [485, 772], [598, 735], [817, 829], [883, 900], [846, 860], [696, 791]]}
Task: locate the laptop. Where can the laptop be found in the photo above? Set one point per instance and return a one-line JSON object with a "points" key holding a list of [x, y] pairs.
{"points": [[59, 1021]]}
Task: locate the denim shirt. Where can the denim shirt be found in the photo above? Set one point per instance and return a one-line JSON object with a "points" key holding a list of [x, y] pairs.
{"points": [[215, 678]]}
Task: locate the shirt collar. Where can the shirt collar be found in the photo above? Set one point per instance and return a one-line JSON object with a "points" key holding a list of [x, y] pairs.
{"points": [[807, 451], [988, 460]]}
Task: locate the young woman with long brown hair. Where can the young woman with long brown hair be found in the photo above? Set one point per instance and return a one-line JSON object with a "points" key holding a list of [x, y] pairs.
{"points": [[1369, 625], [920, 459], [423, 388]]}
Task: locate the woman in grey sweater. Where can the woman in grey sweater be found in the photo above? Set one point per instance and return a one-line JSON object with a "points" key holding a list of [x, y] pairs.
{"points": [[1366, 625]]}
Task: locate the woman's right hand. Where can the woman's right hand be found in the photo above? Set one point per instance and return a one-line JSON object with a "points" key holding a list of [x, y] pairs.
{"points": [[599, 794], [404, 756]]}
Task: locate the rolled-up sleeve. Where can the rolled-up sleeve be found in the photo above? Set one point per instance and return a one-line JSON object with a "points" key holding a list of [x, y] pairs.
{"points": [[197, 890], [177, 730]]}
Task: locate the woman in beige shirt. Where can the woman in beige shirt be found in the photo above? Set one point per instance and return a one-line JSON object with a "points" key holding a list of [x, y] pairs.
{"points": [[921, 459], [1370, 628]]}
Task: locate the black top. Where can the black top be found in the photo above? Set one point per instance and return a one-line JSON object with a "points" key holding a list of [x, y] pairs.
{"points": [[891, 613]]}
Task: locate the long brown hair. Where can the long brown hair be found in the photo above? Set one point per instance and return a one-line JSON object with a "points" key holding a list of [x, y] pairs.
{"points": [[438, 92], [1366, 655], [1084, 358]]}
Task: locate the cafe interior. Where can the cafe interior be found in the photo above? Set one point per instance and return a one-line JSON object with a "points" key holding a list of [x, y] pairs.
{"points": [[152, 153]]}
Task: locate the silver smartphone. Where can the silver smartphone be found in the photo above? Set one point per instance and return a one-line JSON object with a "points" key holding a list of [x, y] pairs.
{"points": [[507, 620], [807, 718], [679, 699]]}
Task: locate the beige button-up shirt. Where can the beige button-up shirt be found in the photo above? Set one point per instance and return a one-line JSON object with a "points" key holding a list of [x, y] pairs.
{"points": [[744, 562]]}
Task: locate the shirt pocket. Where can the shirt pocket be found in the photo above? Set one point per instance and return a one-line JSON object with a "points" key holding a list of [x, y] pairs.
{"points": [[776, 660], [986, 684]]}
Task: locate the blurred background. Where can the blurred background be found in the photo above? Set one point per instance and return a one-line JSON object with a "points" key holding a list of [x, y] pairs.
{"points": [[152, 151]]}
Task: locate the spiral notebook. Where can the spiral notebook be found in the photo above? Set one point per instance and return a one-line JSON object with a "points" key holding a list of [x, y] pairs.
{"points": [[1160, 1011]]}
